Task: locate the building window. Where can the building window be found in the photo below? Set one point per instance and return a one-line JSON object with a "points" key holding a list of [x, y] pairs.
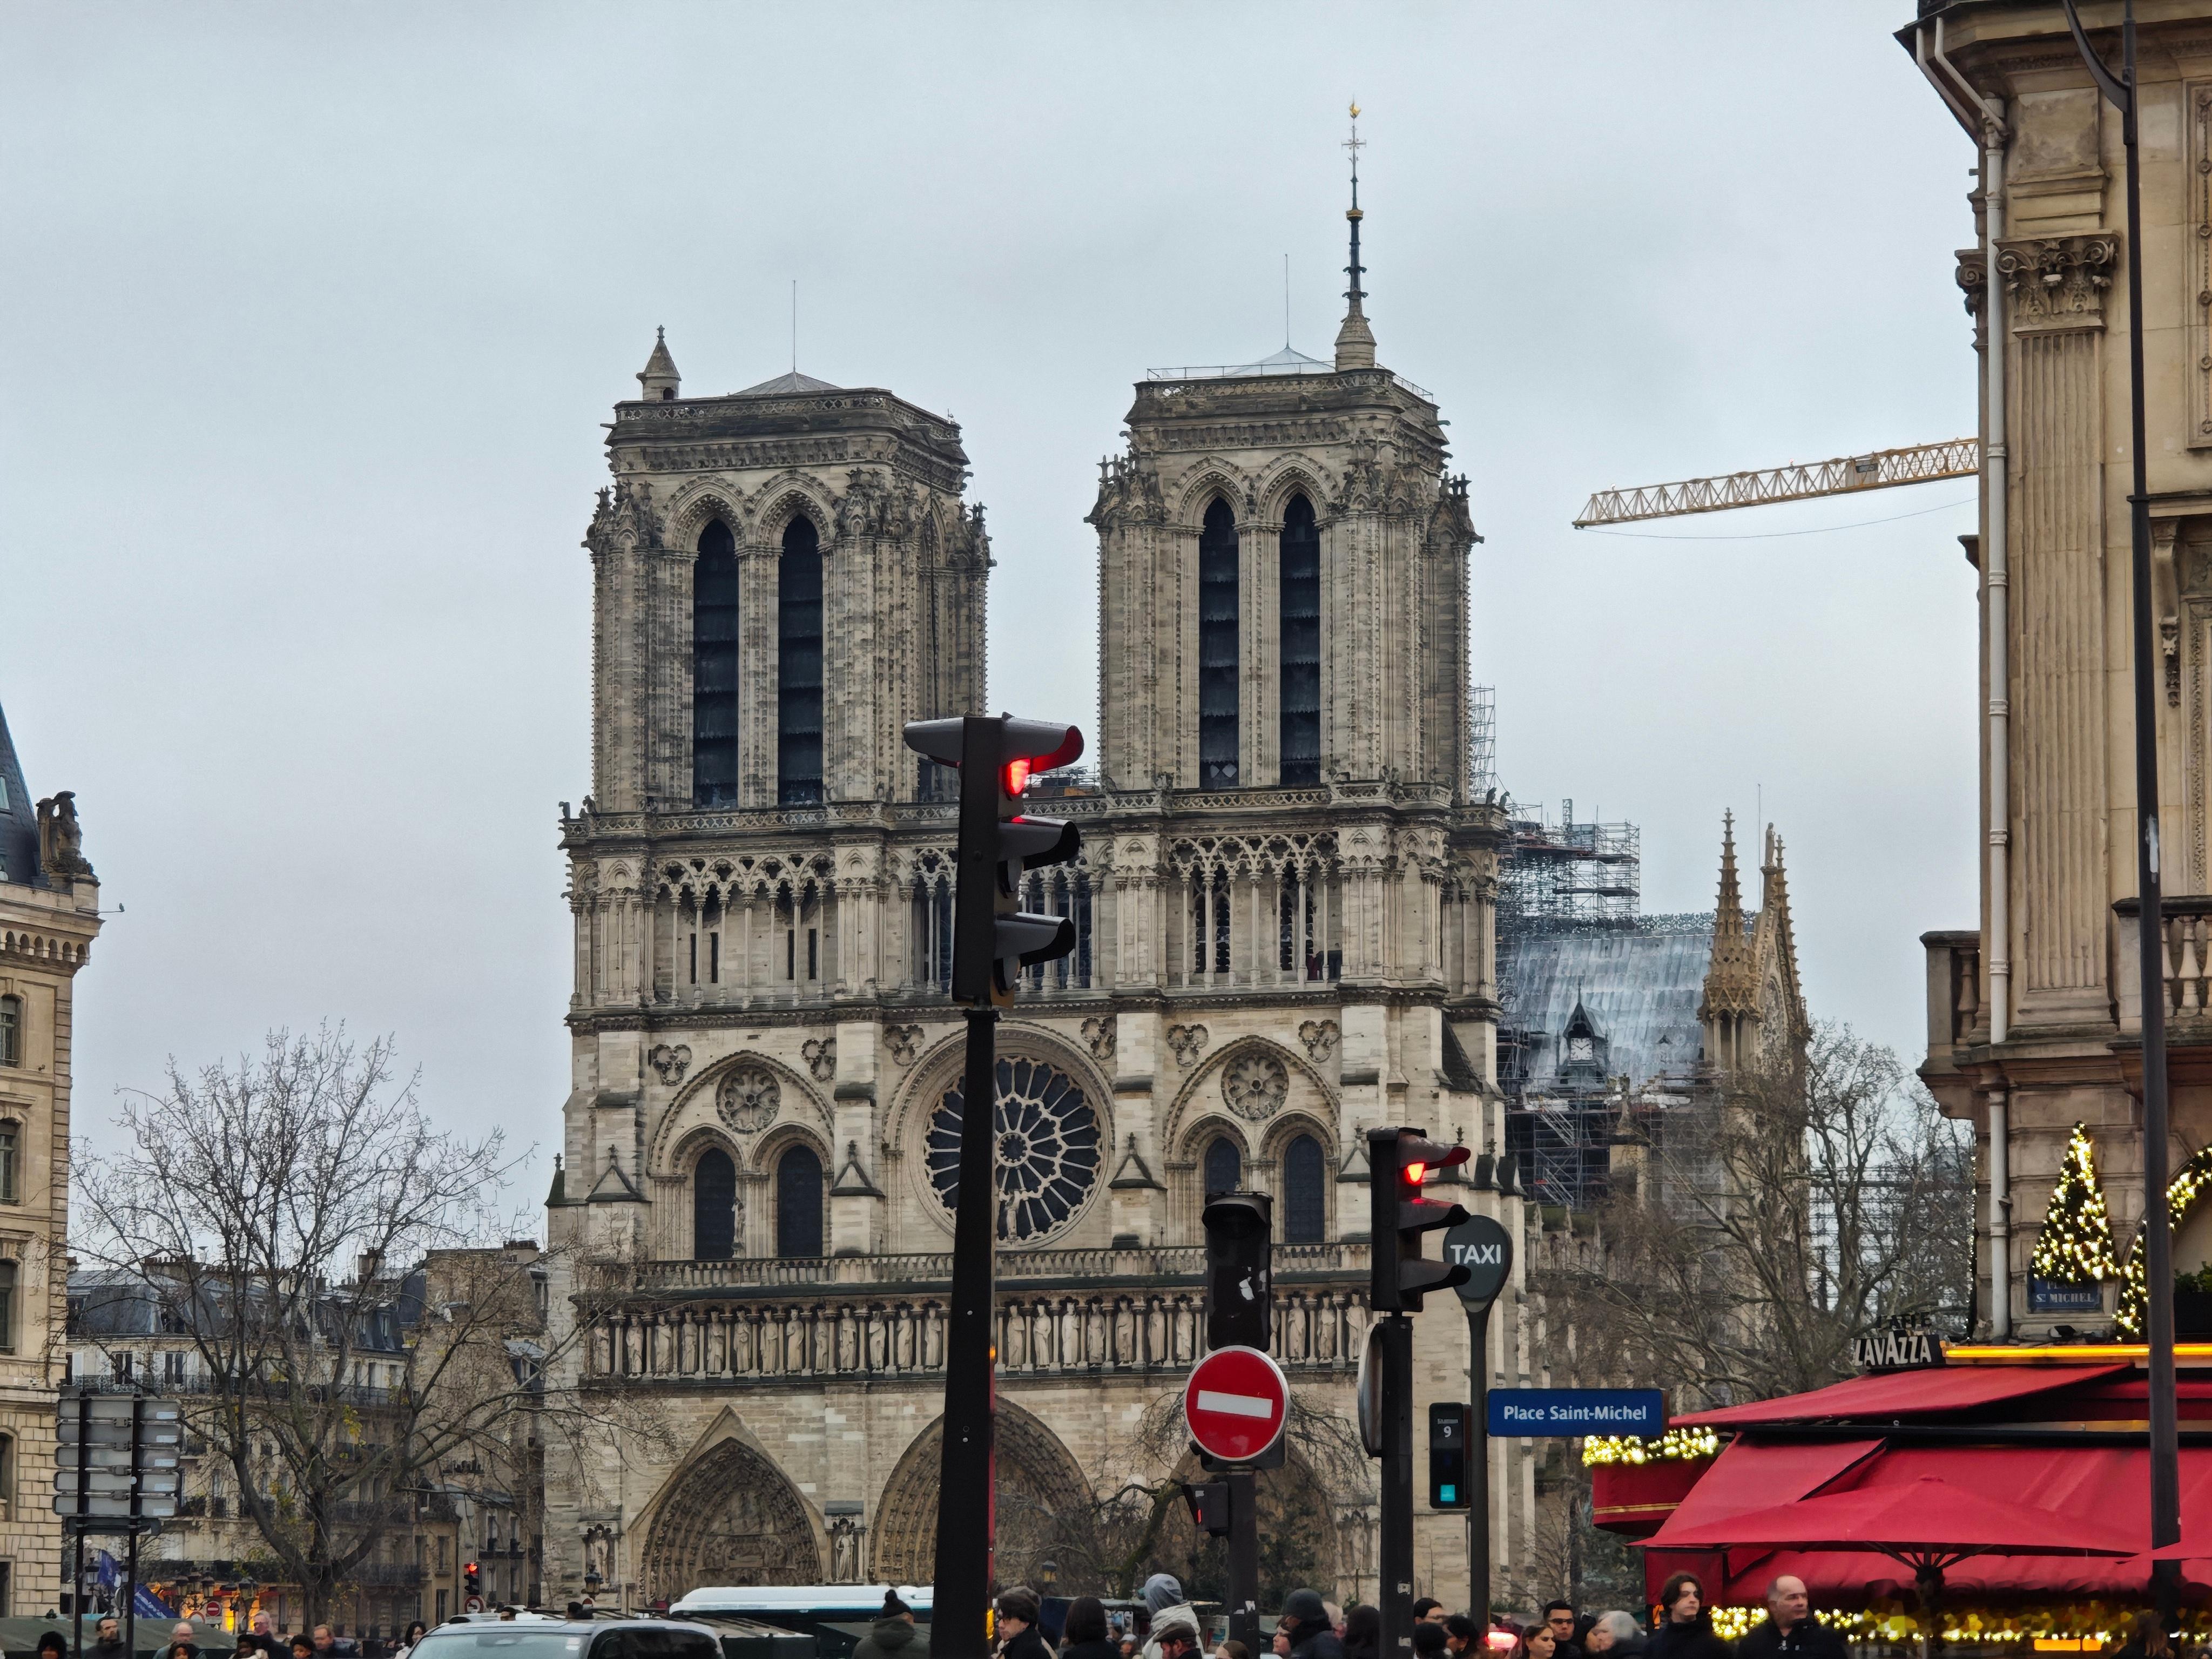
{"points": [[798, 1204], [10, 1272], [7, 1474], [11, 1161], [1217, 647], [713, 1206], [799, 665], [714, 668], [1301, 643], [1224, 1167], [11, 1030], [1303, 1218]]}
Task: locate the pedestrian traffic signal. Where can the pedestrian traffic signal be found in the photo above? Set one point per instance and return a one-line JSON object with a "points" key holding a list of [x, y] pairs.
{"points": [[1398, 1162], [1209, 1505], [993, 937], [1239, 1300], [1448, 1471]]}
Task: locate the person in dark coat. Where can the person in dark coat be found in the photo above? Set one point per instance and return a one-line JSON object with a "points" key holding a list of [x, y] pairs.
{"points": [[1566, 1629], [1312, 1636], [1614, 1636], [1686, 1623], [893, 1635], [1084, 1636], [1363, 1632], [1020, 1638], [1791, 1628], [107, 1639]]}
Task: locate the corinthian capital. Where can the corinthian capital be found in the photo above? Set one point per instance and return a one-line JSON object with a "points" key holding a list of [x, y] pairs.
{"points": [[2058, 282]]}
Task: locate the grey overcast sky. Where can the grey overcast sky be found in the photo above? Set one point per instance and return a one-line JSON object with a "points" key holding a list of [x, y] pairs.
{"points": [[313, 314]]}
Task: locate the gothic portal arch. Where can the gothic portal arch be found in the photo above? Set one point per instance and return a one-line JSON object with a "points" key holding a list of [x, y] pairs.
{"points": [[730, 1517], [1040, 1489]]}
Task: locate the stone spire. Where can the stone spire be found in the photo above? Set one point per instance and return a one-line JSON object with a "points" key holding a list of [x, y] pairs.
{"points": [[1355, 341], [658, 377], [1731, 989]]}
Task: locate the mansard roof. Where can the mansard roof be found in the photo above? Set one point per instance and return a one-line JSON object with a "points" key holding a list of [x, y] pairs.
{"points": [[1637, 986], [19, 819]]}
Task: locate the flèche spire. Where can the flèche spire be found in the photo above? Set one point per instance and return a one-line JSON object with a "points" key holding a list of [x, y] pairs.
{"points": [[1355, 341]]}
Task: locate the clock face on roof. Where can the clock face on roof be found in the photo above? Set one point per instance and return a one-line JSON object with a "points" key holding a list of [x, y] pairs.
{"points": [[1581, 1048]]}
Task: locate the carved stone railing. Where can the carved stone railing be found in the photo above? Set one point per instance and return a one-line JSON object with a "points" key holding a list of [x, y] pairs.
{"points": [[757, 1326], [1954, 988], [1170, 1263], [2187, 950]]}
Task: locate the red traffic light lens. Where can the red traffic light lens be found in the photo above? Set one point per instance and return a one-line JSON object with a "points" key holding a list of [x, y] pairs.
{"points": [[1415, 1174], [1014, 777], [472, 1567]]}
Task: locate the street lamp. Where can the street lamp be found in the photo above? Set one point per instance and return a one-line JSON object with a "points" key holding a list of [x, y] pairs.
{"points": [[2157, 1243], [1048, 1575]]}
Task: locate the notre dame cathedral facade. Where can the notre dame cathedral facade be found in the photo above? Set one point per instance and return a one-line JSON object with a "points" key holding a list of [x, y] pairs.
{"points": [[1283, 908]]}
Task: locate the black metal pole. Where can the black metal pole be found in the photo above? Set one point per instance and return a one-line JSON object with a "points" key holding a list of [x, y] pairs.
{"points": [[1244, 1560], [130, 1597], [1478, 1453], [1394, 1593], [963, 1497], [2157, 1241]]}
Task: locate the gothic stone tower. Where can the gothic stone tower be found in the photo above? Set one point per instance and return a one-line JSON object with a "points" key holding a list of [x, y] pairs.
{"points": [[1283, 909]]}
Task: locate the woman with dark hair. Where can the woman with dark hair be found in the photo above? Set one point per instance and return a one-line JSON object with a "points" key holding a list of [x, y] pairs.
{"points": [[1363, 1632], [1084, 1636], [1535, 1642], [1686, 1623], [407, 1642], [54, 1643]]}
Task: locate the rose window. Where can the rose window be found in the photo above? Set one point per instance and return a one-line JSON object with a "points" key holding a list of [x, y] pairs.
{"points": [[1255, 1084], [1047, 1153]]}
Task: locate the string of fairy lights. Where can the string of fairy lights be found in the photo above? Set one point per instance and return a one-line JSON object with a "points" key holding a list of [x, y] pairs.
{"points": [[2074, 1246]]}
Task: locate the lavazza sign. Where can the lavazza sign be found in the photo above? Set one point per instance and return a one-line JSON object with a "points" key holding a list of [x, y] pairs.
{"points": [[1896, 1351]]}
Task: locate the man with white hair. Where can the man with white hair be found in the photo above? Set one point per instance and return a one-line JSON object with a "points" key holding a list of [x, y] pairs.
{"points": [[1791, 1628], [1616, 1635]]}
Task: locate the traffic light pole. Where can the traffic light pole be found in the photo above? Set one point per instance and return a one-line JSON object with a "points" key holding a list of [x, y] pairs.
{"points": [[962, 1575], [1478, 1452], [1395, 1595], [1244, 1560]]}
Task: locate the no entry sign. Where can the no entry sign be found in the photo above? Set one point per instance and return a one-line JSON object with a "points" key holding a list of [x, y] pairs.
{"points": [[1235, 1403]]}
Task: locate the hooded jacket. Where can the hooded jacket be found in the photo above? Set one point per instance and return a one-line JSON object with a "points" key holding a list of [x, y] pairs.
{"points": [[1163, 1601], [891, 1636]]}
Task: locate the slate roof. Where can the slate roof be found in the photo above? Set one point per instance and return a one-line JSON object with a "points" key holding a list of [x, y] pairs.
{"points": [[1640, 986], [18, 819], [784, 385]]}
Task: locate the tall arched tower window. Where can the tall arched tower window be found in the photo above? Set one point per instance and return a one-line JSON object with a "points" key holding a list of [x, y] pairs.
{"points": [[713, 1206], [1224, 1167], [1304, 1219], [1301, 636], [714, 668], [798, 1204], [1217, 647], [799, 665]]}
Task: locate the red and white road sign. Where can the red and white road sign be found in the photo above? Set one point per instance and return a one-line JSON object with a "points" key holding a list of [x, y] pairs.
{"points": [[1235, 1403]]}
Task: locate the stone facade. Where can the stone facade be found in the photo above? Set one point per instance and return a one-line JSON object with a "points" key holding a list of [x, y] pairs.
{"points": [[1284, 940], [2034, 1014], [49, 915]]}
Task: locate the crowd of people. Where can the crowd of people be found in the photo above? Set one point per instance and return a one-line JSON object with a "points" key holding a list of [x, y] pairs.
{"points": [[260, 1639], [1310, 1627]]}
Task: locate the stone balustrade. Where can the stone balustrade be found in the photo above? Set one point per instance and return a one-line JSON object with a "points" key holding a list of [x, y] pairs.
{"points": [[1058, 1312]]}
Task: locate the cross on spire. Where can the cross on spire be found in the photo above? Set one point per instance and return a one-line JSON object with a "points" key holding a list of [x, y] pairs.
{"points": [[1355, 342]]}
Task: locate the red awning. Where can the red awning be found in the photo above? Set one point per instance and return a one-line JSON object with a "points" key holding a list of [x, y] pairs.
{"points": [[2111, 1483], [1902, 1394]]}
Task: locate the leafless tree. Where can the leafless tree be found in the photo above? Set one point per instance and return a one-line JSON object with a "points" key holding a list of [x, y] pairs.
{"points": [[1802, 1205], [331, 1268]]}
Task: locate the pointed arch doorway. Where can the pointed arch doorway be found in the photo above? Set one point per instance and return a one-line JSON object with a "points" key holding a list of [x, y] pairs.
{"points": [[730, 1517]]}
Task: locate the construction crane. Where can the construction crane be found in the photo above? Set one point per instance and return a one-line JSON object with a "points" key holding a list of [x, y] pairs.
{"points": [[1884, 469]]}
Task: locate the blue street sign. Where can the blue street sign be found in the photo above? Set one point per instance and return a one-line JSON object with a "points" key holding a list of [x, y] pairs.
{"points": [[1514, 1413]]}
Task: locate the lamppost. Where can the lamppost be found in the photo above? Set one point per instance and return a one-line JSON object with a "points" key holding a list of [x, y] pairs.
{"points": [[1048, 1575], [2157, 1242]]}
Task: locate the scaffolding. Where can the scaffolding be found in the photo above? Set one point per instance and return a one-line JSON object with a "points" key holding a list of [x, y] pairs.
{"points": [[1567, 874], [1482, 741]]}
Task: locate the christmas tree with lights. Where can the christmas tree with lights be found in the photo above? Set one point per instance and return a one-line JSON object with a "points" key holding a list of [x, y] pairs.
{"points": [[2075, 1244]]}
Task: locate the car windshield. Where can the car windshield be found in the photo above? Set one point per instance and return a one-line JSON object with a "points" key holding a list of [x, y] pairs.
{"points": [[500, 1642]]}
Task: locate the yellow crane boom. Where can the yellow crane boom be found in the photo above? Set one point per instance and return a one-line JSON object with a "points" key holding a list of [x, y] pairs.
{"points": [[1961, 458]]}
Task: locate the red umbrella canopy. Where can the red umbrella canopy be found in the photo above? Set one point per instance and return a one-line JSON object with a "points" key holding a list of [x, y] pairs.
{"points": [[1925, 1520]]}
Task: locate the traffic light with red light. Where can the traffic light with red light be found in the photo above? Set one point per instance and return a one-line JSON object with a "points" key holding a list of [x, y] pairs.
{"points": [[1398, 1162], [993, 938], [471, 1582]]}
